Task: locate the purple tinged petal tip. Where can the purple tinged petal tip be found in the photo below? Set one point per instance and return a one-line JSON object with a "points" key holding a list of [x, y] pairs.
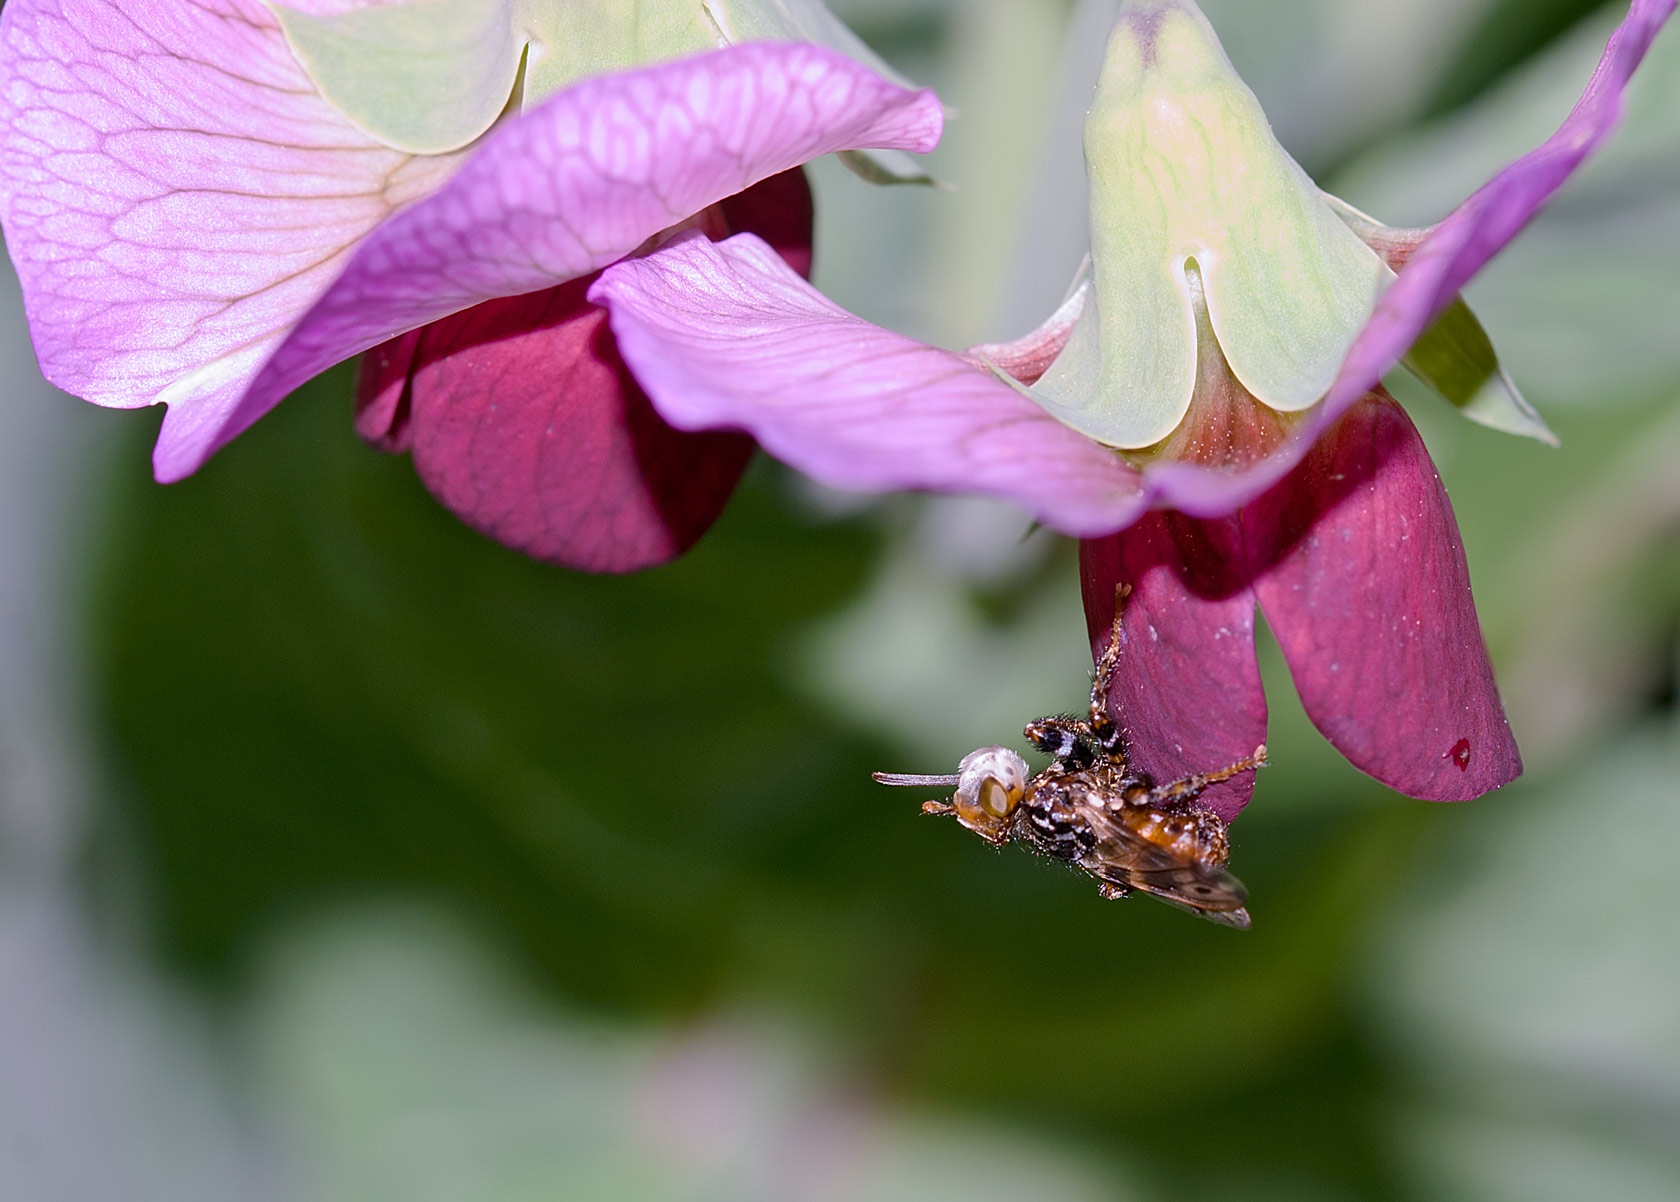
{"points": [[1497, 212]]}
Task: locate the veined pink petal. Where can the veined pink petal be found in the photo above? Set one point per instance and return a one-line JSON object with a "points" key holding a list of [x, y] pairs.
{"points": [[524, 421], [1187, 690], [1361, 574], [1064, 499], [724, 335], [174, 192], [575, 183], [1496, 213], [193, 224], [780, 210], [1454, 252]]}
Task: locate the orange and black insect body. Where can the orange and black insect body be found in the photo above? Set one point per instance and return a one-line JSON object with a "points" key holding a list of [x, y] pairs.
{"points": [[1090, 809]]}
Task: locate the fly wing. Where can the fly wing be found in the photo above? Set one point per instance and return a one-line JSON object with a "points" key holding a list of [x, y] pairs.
{"points": [[1124, 859]]}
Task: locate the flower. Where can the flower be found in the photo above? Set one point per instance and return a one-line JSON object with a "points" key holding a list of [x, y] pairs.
{"points": [[1234, 444], [211, 201]]}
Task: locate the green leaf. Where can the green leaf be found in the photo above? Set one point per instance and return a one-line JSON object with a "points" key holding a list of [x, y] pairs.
{"points": [[1456, 359]]}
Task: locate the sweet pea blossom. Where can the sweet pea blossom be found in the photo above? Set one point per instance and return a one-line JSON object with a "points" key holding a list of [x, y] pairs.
{"points": [[1205, 412], [208, 202]]}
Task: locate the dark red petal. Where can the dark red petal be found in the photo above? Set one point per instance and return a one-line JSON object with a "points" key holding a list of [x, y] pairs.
{"points": [[1367, 590], [1187, 689], [382, 393], [524, 421]]}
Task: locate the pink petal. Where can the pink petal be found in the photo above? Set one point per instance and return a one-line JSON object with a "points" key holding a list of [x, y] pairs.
{"points": [[1187, 689], [174, 193], [577, 182], [525, 422], [1030, 356], [1365, 585], [193, 224], [780, 210], [726, 336], [1497, 212]]}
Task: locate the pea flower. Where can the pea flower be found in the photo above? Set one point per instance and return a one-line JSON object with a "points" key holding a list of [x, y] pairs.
{"points": [[211, 201], [1205, 412]]}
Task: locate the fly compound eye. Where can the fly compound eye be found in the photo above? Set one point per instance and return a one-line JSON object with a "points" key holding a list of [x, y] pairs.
{"points": [[995, 798]]}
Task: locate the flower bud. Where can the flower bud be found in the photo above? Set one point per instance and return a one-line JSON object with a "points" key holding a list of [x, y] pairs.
{"points": [[1185, 174]]}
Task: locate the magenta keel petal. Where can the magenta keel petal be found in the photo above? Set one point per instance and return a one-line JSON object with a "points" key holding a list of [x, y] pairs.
{"points": [[726, 336], [524, 421], [780, 210], [383, 399], [1187, 688], [1368, 593]]}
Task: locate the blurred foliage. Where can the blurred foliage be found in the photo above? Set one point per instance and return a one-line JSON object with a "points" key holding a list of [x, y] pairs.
{"points": [[321, 687], [404, 1064], [1509, 32]]}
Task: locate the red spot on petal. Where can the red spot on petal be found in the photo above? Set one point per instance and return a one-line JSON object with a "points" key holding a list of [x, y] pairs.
{"points": [[1460, 754]]}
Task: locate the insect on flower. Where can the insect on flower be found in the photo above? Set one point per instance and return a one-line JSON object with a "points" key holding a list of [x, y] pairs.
{"points": [[1089, 808]]}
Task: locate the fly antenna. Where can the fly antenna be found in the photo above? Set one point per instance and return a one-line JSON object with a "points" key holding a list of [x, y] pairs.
{"points": [[914, 780]]}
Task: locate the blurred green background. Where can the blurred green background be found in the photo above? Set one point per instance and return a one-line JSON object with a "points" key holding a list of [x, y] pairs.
{"points": [[346, 855]]}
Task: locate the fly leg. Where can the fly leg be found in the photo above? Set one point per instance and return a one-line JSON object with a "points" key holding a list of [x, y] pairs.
{"points": [[1176, 793], [1074, 744], [1103, 731]]}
